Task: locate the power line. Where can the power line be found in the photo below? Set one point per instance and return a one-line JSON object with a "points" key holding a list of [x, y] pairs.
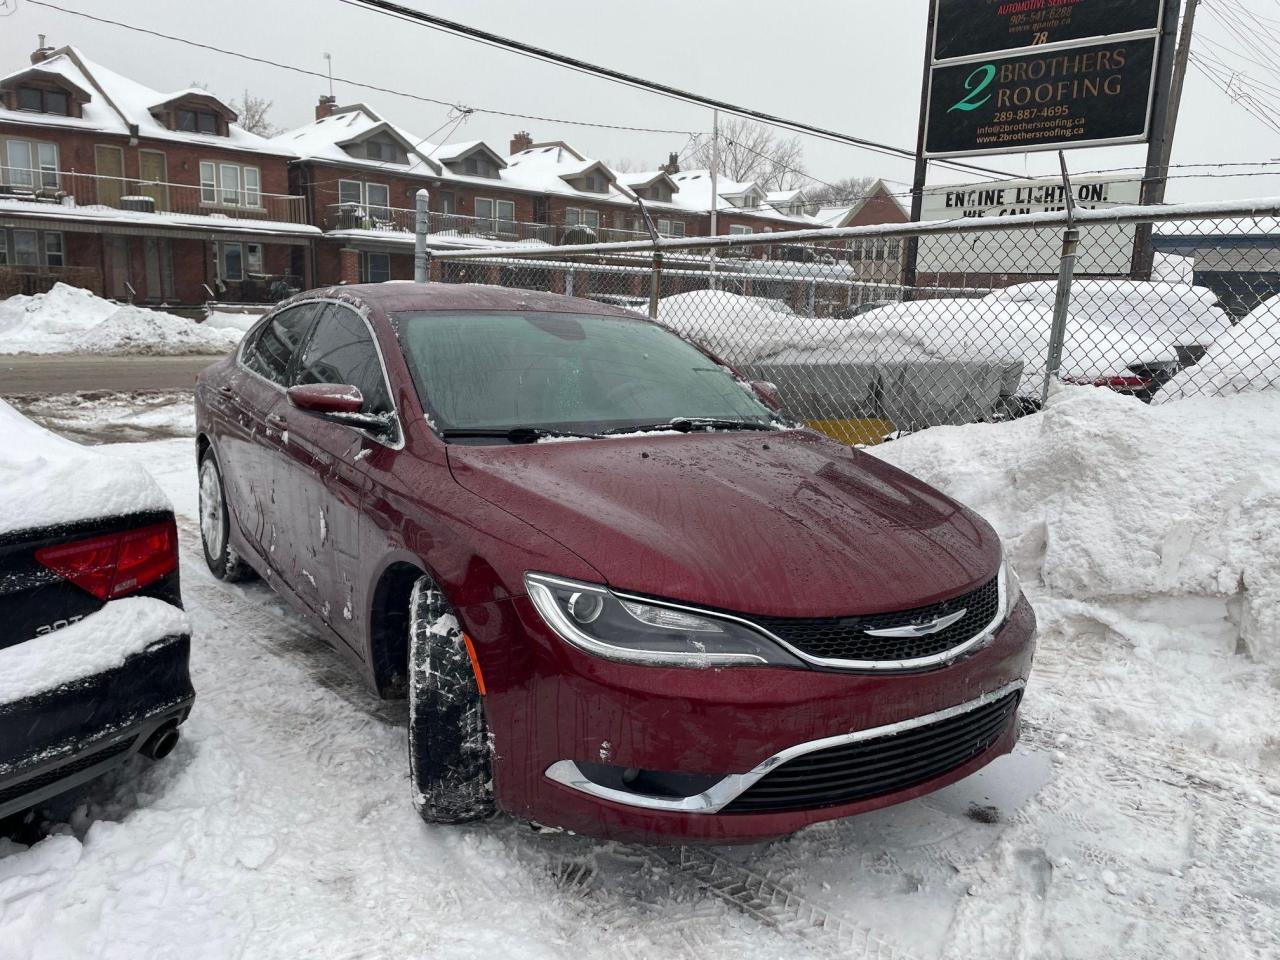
{"points": [[408, 14], [354, 83]]}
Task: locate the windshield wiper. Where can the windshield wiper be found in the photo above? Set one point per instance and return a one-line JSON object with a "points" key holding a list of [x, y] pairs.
{"points": [[516, 434], [690, 424]]}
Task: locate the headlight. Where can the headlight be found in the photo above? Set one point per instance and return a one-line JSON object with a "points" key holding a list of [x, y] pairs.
{"points": [[594, 619], [1010, 587]]}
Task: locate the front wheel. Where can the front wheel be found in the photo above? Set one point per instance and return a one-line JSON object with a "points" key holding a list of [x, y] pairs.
{"points": [[450, 755]]}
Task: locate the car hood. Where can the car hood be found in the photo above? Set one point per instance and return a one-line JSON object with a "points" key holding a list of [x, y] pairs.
{"points": [[780, 524]]}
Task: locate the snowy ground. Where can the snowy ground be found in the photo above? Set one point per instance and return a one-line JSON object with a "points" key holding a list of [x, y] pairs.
{"points": [[1140, 816]]}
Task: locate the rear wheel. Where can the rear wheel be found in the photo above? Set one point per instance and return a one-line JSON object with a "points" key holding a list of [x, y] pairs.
{"points": [[450, 756], [215, 524]]}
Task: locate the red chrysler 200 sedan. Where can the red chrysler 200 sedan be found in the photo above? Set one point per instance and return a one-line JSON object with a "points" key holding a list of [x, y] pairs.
{"points": [[623, 594]]}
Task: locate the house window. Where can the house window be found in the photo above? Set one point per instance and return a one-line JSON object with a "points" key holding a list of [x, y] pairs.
{"points": [[500, 214], [53, 250], [375, 267], [231, 261], [664, 227], [677, 228], [208, 182], [253, 257], [197, 121], [377, 150], [25, 252], [595, 183], [230, 184], [738, 229], [374, 197], [576, 216], [30, 164], [4, 249], [36, 100]]}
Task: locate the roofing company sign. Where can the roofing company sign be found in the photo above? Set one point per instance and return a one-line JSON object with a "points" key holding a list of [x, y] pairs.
{"points": [[1008, 76]]}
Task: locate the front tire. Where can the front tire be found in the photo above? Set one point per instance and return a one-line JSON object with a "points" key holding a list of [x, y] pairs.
{"points": [[215, 524], [450, 755]]}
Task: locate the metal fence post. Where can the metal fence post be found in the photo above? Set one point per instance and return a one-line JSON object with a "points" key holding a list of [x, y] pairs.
{"points": [[421, 264], [568, 282], [655, 285], [1061, 303]]}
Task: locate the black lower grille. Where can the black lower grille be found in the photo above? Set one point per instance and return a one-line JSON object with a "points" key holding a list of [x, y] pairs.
{"points": [[845, 638], [872, 768], [32, 784]]}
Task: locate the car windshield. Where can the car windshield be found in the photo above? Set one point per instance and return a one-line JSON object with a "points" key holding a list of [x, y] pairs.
{"points": [[565, 372]]}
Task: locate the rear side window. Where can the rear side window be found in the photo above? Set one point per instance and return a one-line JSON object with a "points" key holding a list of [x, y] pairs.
{"points": [[271, 350], [341, 350]]}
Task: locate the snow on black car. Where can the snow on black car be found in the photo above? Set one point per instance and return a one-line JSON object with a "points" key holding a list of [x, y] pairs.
{"points": [[93, 640]]}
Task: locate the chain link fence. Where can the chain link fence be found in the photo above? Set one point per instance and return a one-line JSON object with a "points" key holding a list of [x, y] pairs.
{"points": [[997, 311]]}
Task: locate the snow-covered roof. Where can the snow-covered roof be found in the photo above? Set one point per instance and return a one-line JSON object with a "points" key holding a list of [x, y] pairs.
{"points": [[122, 106], [548, 168], [840, 215], [217, 222], [695, 195], [324, 139]]}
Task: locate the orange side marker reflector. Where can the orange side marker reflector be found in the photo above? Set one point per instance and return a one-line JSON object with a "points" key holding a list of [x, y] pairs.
{"points": [[475, 664]]}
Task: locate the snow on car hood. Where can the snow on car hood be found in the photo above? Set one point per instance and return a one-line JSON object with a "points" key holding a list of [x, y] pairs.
{"points": [[783, 524], [46, 480]]}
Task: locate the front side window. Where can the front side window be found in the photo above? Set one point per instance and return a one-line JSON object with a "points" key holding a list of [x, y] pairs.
{"points": [[341, 351], [272, 348], [230, 184], [497, 371], [378, 197]]}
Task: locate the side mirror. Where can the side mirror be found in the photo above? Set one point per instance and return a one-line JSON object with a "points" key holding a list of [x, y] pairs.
{"points": [[339, 403], [768, 394]]}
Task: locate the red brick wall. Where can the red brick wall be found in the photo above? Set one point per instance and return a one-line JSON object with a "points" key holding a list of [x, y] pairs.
{"points": [[76, 154]]}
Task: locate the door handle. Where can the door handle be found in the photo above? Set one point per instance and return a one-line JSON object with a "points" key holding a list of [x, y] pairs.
{"points": [[277, 421]]}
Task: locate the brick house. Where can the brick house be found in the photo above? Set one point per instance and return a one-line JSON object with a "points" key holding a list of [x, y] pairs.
{"points": [[138, 194]]}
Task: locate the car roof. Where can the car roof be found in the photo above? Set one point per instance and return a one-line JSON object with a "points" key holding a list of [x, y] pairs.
{"points": [[400, 296]]}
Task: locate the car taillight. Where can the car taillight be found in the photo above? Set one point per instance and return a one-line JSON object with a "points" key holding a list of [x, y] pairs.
{"points": [[117, 564]]}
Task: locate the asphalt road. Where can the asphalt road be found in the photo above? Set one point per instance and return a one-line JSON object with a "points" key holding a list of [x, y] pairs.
{"points": [[35, 375]]}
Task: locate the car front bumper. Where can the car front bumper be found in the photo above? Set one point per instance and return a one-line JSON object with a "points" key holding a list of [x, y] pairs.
{"points": [[61, 738], [556, 712]]}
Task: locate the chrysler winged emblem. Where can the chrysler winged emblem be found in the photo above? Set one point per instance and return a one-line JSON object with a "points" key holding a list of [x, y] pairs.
{"points": [[919, 629]]}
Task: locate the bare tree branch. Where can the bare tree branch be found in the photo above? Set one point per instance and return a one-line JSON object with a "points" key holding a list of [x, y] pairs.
{"points": [[752, 152], [253, 113]]}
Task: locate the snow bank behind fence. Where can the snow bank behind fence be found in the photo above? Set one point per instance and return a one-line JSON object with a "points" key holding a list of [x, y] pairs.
{"points": [[71, 320], [1168, 515]]}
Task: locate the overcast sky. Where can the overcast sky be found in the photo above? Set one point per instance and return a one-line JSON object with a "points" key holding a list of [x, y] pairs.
{"points": [[849, 65]]}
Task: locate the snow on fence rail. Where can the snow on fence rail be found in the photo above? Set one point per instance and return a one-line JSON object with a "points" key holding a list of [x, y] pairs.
{"points": [[861, 348]]}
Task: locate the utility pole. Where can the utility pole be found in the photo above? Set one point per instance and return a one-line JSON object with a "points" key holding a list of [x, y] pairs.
{"points": [[912, 253], [715, 190], [1171, 68]]}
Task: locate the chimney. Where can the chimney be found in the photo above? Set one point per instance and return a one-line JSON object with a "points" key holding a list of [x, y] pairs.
{"points": [[521, 141], [673, 164], [325, 107], [43, 52]]}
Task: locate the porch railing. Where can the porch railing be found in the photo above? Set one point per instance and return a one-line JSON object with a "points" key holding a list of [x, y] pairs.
{"points": [[28, 280], [70, 188]]}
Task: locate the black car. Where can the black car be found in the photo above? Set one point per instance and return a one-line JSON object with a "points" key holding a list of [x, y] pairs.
{"points": [[93, 642]]}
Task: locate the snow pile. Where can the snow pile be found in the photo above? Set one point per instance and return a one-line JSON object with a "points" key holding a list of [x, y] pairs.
{"points": [[46, 480], [71, 320], [1176, 313], [1166, 516], [227, 320], [1112, 325], [1243, 359], [101, 641]]}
